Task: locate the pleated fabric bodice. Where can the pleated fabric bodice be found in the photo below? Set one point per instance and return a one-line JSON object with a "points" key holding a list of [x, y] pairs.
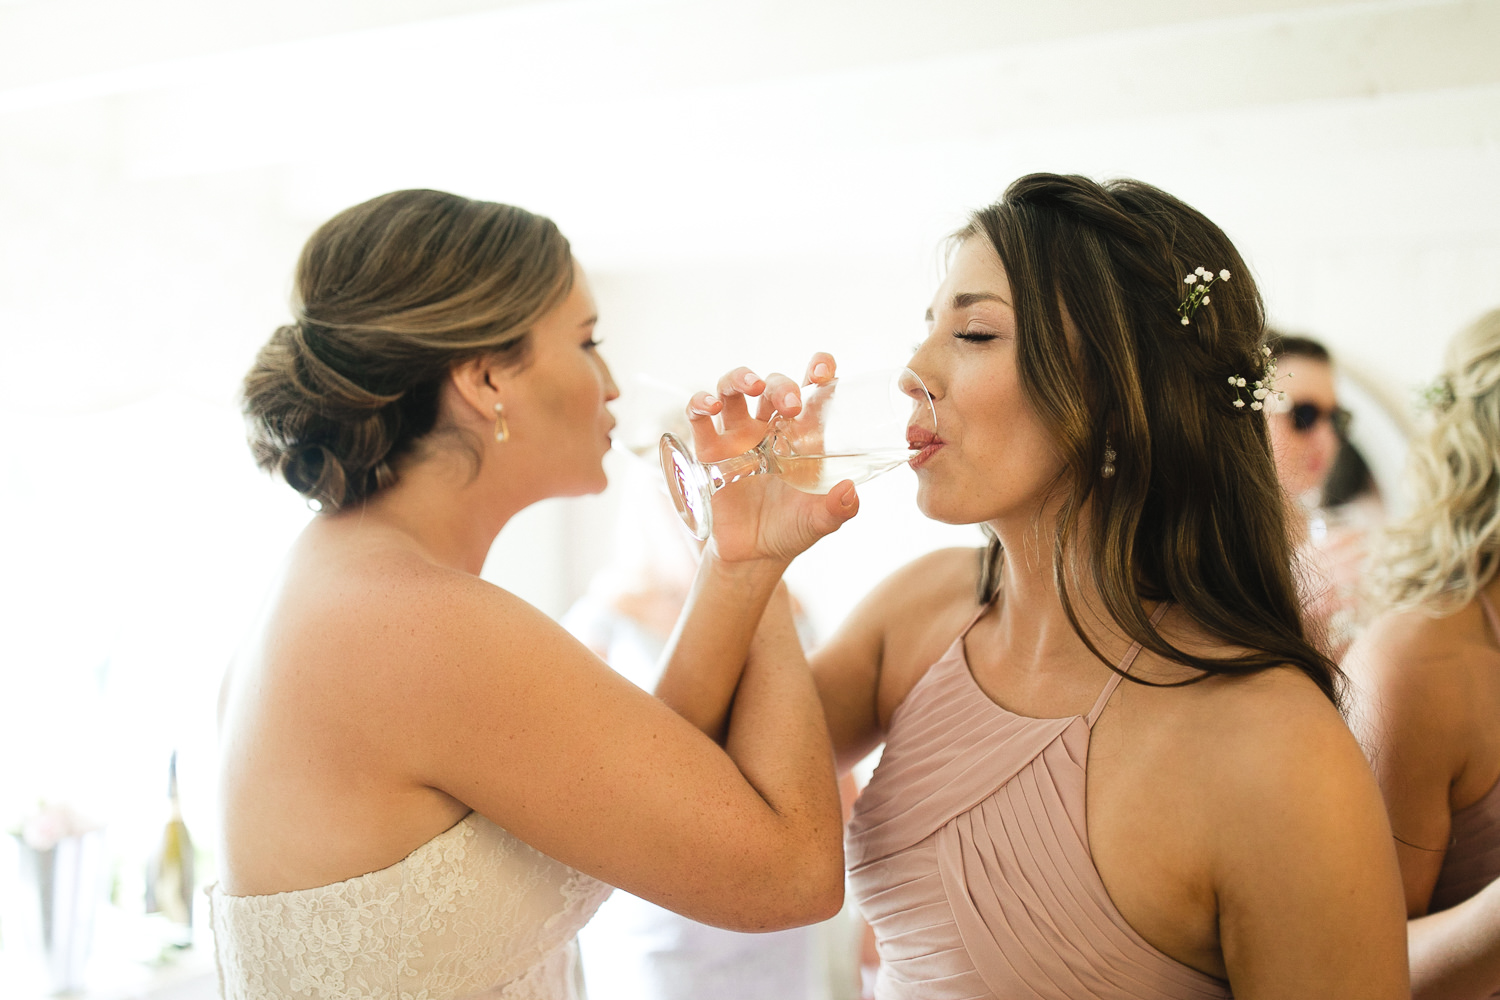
{"points": [[1473, 858], [968, 852]]}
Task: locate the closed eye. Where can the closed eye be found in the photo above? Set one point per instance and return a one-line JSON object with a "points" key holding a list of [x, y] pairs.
{"points": [[974, 337]]}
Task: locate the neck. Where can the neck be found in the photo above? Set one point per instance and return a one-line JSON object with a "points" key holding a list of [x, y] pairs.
{"points": [[1033, 622], [448, 510]]}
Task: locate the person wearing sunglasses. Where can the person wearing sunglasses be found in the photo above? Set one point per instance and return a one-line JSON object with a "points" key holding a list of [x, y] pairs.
{"points": [[1307, 428]]}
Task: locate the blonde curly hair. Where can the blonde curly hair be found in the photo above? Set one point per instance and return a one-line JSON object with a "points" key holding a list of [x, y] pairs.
{"points": [[1439, 556]]}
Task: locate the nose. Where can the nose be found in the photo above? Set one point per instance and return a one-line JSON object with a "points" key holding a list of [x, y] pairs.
{"points": [[1327, 439], [611, 391], [923, 413], [914, 386], [924, 383]]}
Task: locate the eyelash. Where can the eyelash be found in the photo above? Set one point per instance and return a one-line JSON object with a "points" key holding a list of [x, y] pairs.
{"points": [[977, 338], [592, 344]]}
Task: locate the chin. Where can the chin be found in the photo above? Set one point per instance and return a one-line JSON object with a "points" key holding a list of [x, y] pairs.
{"points": [[932, 508], [597, 483]]}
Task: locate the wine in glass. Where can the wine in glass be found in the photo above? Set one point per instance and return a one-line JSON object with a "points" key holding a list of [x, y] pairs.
{"points": [[854, 427]]}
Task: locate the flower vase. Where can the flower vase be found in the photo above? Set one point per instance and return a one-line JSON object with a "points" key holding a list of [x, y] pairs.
{"points": [[60, 891]]}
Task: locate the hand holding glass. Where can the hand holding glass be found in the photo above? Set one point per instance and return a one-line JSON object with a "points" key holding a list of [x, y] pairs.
{"points": [[854, 427]]}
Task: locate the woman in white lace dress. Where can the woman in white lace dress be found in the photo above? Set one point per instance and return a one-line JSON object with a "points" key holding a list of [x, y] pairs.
{"points": [[426, 782]]}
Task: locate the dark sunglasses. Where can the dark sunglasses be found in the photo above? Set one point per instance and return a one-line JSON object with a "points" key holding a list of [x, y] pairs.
{"points": [[1305, 417]]}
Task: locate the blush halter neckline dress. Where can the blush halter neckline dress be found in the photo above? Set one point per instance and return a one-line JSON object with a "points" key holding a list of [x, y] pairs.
{"points": [[968, 853]]}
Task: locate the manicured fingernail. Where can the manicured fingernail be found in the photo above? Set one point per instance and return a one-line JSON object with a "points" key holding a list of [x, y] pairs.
{"points": [[820, 370], [790, 399], [710, 400]]}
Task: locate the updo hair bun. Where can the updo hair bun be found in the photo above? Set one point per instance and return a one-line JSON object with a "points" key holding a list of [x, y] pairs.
{"points": [[389, 296]]}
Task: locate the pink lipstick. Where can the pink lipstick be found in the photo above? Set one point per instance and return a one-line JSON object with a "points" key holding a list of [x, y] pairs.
{"points": [[924, 442]]}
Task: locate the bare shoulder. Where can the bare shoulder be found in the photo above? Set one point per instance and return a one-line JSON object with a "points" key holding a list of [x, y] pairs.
{"points": [[934, 582], [1264, 714], [381, 627], [1270, 748], [1409, 669], [922, 598], [918, 611], [1400, 644], [1298, 848]]}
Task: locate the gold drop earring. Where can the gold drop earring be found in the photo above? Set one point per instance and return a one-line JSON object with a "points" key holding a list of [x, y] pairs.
{"points": [[502, 429]]}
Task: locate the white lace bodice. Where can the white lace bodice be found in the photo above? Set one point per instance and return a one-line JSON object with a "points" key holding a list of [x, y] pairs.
{"points": [[474, 912]]}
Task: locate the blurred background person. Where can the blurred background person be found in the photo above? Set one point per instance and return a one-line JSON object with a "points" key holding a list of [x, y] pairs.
{"points": [[1309, 425], [1332, 493], [1426, 679], [634, 949]]}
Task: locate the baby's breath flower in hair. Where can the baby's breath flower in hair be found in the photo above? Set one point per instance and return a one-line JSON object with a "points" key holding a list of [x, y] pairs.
{"points": [[1263, 386], [1198, 284], [1436, 396]]}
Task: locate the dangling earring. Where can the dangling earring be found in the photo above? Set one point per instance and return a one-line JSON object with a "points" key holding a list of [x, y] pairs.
{"points": [[502, 429], [1108, 468]]}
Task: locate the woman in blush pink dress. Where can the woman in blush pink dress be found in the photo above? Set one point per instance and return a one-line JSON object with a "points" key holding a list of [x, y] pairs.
{"points": [[1114, 765], [1427, 680]]}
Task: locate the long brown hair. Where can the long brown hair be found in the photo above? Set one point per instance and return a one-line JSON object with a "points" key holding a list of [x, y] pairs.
{"points": [[389, 295], [1194, 512]]}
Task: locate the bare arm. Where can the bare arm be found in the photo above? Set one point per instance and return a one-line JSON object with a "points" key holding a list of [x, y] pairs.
{"points": [[1411, 716], [1404, 718], [1455, 954], [888, 641], [749, 837], [1308, 890], [524, 725], [759, 526]]}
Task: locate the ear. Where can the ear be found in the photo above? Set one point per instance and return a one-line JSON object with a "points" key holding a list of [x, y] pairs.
{"points": [[476, 385]]}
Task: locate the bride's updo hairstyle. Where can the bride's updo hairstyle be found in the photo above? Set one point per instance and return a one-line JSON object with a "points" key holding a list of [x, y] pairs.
{"points": [[1191, 510], [389, 296]]}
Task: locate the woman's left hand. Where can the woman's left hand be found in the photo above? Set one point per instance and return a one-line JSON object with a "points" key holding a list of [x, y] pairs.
{"points": [[761, 517]]}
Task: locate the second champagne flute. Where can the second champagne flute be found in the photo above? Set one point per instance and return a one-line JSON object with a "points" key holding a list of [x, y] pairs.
{"points": [[854, 427]]}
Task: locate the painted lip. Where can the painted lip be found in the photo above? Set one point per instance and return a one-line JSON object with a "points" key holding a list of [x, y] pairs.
{"points": [[924, 442]]}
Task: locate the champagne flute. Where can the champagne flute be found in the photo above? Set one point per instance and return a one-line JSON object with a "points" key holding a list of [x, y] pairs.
{"points": [[648, 407], [854, 427]]}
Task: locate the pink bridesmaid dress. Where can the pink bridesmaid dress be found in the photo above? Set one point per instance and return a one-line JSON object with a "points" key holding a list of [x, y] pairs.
{"points": [[968, 853]]}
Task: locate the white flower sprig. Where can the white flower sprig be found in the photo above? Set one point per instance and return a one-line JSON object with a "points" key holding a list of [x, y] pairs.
{"points": [[1437, 396], [1199, 282], [1263, 387]]}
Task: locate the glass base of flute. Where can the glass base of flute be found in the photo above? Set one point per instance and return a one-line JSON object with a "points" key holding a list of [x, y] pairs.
{"points": [[854, 427]]}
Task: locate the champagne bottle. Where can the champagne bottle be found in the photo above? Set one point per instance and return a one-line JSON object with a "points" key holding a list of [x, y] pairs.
{"points": [[169, 875]]}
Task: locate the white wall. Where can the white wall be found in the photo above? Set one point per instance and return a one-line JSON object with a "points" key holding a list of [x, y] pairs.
{"points": [[745, 181]]}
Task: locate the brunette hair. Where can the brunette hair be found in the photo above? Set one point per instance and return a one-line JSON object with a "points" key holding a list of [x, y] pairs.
{"points": [[389, 296], [1440, 555], [1194, 512], [1294, 345]]}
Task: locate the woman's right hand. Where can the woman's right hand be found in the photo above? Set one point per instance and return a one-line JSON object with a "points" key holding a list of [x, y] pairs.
{"points": [[761, 517]]}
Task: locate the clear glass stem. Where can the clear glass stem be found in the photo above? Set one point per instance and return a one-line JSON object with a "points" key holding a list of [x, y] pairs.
{"points": [[731, 470]]}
